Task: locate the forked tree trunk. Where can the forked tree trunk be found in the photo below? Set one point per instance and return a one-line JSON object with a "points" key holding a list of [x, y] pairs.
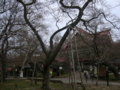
{"points": [[46, 78]]}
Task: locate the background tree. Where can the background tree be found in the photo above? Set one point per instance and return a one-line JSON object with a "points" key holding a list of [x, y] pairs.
{"points": [[10, 26]]}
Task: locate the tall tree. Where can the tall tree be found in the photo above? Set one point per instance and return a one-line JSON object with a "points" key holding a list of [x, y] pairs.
{"points": [[51, 54], [66, 5], [10, 25]]}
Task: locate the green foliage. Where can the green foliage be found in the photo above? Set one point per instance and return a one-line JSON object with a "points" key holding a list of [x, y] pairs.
{"points": [[113, 78], [65, 75], [54, 74]]}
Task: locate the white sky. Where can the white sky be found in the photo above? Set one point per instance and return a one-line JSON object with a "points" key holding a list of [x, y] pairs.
{"points": [[116, 11], [115, 4]]}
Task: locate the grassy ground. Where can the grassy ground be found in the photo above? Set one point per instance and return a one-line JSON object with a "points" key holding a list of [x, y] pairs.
{"points": [[18, 85], [26, 85]]}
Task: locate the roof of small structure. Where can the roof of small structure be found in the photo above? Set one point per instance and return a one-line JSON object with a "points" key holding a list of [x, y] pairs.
{"points": [[60, 59]]}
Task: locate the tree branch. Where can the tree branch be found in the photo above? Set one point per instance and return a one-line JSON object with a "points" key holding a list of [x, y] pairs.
{"points": [[86, 4], [31, 26], [70, 7], [51, 38], [87, 21], [69, 29], [33, 1]]}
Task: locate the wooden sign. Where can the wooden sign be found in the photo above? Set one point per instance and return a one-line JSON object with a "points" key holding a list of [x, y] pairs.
{"points": [[102, 71]]}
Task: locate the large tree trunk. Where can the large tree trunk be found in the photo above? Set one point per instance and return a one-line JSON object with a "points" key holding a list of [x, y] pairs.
{"points": [[46, 78]]}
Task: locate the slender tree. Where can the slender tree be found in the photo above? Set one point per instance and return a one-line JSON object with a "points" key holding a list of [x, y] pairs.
{"points": [[10, 25]]}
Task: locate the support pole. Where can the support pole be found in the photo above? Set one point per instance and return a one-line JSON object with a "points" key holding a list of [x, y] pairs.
{"points": [[83, 87], [73, 67]]}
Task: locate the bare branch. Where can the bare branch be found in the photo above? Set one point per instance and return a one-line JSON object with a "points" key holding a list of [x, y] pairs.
{"points": [[86, 4], [33, 1], [87, 21], [70, 7], [51, 38], [109, 21], [32, 27], [69, 29]]}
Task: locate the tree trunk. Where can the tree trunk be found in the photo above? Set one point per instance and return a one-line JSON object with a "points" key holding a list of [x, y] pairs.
{"points": [[97, 75], [3, 71], [46, 78], [111, 68]]}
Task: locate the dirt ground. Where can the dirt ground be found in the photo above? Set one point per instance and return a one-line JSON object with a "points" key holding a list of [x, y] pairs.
{"points": [[88, 87], [102, 87]]}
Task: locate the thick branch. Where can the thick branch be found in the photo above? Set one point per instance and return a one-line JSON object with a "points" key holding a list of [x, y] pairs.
{"points": [[69, 29], [51, 39], [33, 1], [51, 42], [69, 7], [86, 4], [33, 29]]}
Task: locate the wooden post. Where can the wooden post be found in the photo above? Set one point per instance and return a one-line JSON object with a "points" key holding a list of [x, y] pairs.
{"points": [[107, 76], [83, 87]]}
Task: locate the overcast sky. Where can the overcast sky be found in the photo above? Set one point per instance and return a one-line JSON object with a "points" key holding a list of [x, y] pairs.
{"points": [[114, 9]]}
